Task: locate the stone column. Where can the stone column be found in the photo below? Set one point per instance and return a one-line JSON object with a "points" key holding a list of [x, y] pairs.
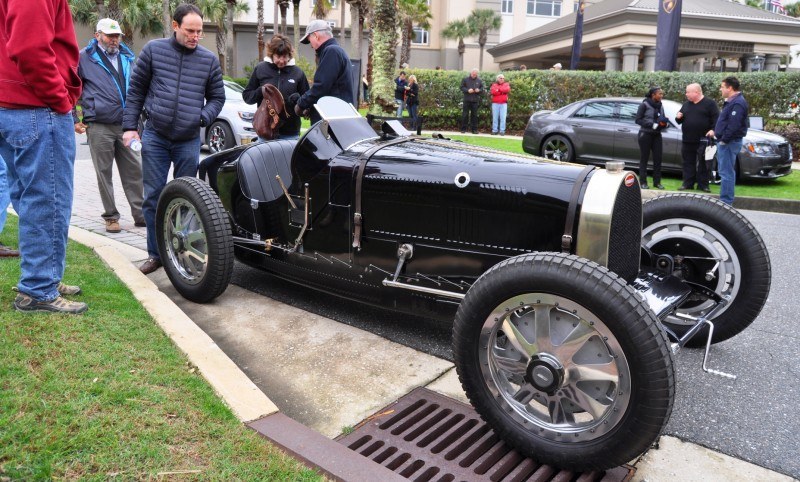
{"points": [[612, 59], [630, 58], [772, 63], [649, 63]]}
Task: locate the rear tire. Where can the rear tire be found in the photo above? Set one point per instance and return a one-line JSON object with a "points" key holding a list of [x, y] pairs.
{"points": [[194, 239], [564, 361], [694, 227]]}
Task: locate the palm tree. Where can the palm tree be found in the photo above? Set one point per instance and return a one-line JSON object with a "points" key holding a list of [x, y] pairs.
{"points": [[296, 12], [458, 30], [260, 28], [321, 9], [480, 22], [283, 5], [216, 11], [793, 9], [230, 5], [410, 13], [134, 16], [355, 28], [384, 45], [166, 13]]}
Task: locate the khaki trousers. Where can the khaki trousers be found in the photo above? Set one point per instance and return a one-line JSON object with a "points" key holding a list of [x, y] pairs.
{"points": [[105, 145]]}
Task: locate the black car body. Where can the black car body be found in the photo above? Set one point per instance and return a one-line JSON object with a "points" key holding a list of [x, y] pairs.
{"points": [[558, 290], [594, 131]]}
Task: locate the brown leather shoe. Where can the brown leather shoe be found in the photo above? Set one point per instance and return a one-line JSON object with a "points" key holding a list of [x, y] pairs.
{"points": [[8, 252], [150, 265], [112, 226]]}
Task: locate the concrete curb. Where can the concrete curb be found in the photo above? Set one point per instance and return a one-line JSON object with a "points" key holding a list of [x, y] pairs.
{"points": [[243, 397]]}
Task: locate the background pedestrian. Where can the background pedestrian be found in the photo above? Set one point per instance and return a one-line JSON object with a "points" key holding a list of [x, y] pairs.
{"points": [[730, 129], [412, 99], [651, 119], [499, 91], [400, 84], [279, 70], [105, 68], [697, 117], [472, 87]]}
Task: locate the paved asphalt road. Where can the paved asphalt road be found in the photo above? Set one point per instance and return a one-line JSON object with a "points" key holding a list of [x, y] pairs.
{"points": [[753, 418]]}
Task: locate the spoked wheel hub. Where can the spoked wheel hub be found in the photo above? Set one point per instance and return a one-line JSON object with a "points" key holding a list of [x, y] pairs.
{"points": [[187, 246], [555, 367]]}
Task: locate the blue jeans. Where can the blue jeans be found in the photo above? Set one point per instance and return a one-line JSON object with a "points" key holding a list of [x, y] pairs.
{"points": [[401, 106], [499, 117], [38, 146], [726, 166], [5, 196], [158, 154], [412, 112]]}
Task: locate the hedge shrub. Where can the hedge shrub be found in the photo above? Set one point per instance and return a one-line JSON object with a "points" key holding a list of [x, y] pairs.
{"points": [[768, 93]]}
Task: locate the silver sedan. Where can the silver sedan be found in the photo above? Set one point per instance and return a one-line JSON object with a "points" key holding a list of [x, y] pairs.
{"points": [[234, 125]]}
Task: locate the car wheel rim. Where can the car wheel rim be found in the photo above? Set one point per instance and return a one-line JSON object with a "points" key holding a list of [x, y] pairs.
{"points": [[216, 139], [701, 247], [556, 149], [555, 368], [185, 240]]}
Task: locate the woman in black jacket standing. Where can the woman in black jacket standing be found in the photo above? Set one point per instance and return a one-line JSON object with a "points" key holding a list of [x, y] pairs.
{"points": [[412, 99], [652, 121], [279, 70]]}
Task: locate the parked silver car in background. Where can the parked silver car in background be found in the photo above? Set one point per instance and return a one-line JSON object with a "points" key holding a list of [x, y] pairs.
{"points": [[597, 130], [234, 125]]}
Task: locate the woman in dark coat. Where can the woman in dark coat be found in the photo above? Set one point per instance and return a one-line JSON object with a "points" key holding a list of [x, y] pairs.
{"points": [[652, 121], [412, 99], [279, 70]]}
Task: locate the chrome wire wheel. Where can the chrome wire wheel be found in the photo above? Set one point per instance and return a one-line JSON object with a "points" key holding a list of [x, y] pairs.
{"points": [[555, 368], [707, 258], [557, 148], [186, 243], [217, 138]]}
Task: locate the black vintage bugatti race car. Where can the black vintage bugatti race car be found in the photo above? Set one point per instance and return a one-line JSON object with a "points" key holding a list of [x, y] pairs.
{"points": [[570, 296]]}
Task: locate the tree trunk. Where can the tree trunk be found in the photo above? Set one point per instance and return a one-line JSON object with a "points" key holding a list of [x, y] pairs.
{"points": [[384, 47], [229, 38], [296, 12], [407, 30], [355, 30], [283, 6], [166, 18], [101, 8], [342, 3], [461, 49], [482, 42], [260, 28], [220, 40]]}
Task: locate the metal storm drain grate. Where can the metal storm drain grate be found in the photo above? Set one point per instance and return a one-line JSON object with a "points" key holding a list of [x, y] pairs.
{"points": [[426, 436]]}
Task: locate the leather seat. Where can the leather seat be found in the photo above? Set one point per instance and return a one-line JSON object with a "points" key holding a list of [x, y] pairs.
{"points": [[258, 166]]}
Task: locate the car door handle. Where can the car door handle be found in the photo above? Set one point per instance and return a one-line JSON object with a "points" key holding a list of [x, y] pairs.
{"points": [[623, 130], [577, 125]]}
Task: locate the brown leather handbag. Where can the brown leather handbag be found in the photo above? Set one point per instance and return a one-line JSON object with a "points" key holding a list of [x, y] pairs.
{"points": [[271, 114]]}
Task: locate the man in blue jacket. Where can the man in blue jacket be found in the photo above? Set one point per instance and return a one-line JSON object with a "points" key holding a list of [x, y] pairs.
{"points": [[730, 130], [332, 77], [105, 68], [178, 84]]}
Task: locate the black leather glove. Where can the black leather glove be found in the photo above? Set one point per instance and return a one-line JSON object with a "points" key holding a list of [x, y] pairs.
{"points": [[294, 98], [202, 122]]}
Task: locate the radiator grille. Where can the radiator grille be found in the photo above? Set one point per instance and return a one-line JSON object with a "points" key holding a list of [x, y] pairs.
{"points": [[626, 233]]}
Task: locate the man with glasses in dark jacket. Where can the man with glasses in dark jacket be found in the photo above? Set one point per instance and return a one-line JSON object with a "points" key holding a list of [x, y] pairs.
{"points": [[332, 77], [178, 84], [105, 68]]}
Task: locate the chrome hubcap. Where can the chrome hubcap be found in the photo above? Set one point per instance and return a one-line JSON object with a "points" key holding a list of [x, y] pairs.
{"points": [[554, 367], [187, 246]]}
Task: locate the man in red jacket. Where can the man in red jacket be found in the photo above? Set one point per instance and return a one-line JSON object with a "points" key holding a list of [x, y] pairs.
{"points": [[39, 86], [499, 91]]}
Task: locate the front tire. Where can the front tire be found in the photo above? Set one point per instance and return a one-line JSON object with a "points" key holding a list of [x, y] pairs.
{"points": [[564, 361], [699, 231], [220, 137], [194, 239]]}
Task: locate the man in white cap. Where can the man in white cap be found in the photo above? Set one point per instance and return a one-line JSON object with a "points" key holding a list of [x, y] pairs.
{"points": [[332, 77], [105, 67]]}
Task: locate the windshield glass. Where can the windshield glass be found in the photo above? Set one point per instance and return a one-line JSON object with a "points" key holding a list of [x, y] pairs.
{"points": [[334, 108]]}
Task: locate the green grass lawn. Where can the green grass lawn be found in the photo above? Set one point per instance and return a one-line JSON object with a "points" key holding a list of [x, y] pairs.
{"points": [[107, 395], [787, 187]]}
